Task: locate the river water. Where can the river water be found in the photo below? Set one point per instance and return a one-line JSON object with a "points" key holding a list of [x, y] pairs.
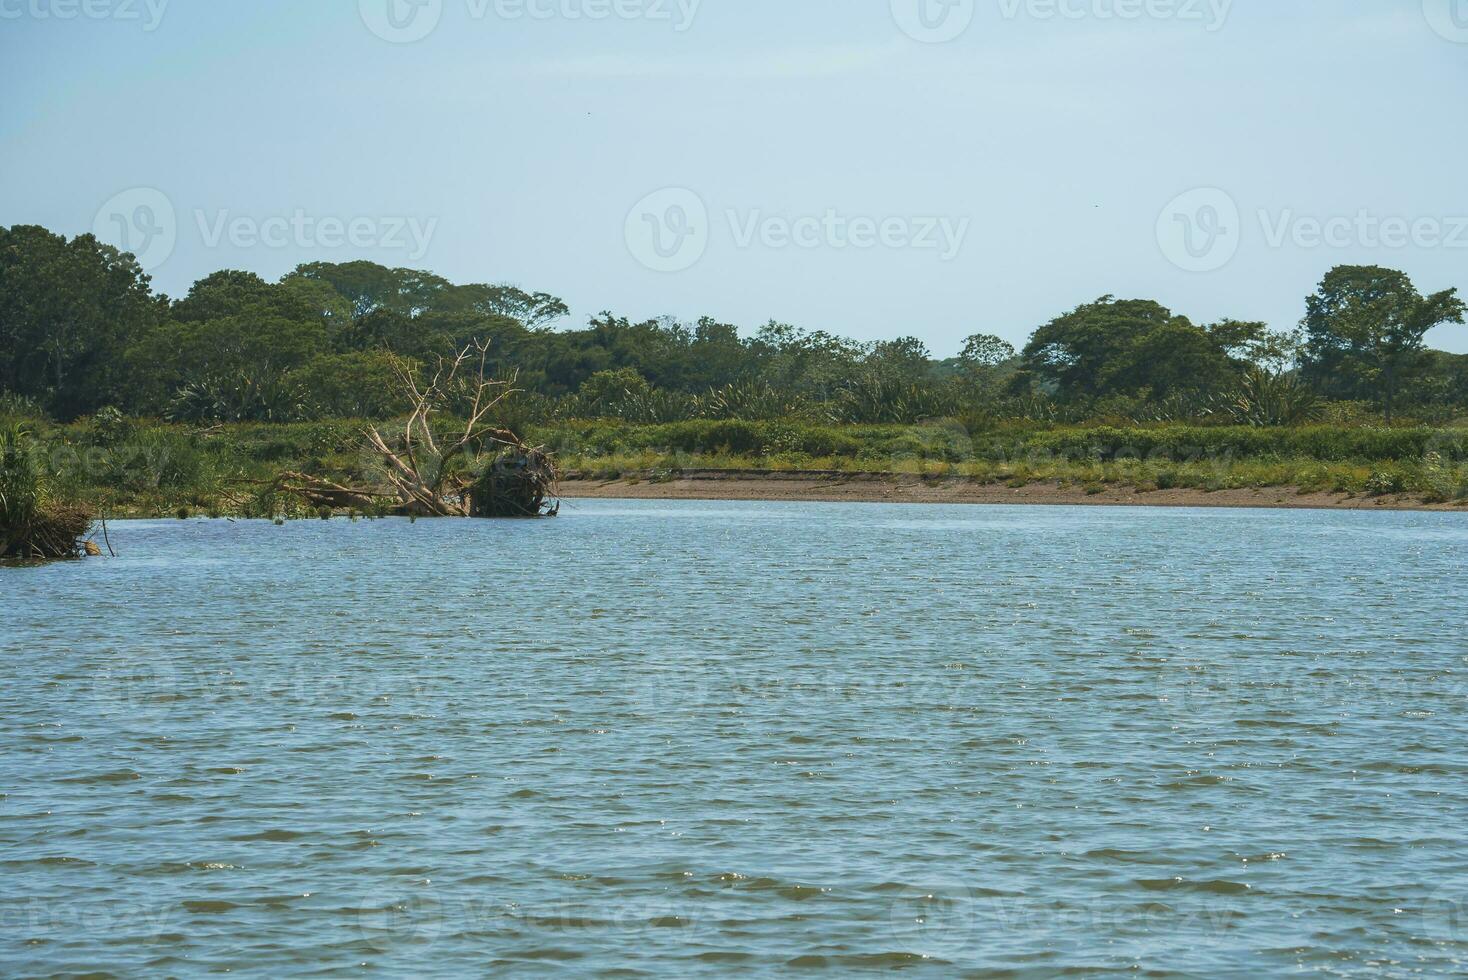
{"points": [[710, 738]]}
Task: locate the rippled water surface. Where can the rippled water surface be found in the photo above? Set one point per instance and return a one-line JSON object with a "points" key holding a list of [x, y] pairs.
{"points": [[722, 738]]}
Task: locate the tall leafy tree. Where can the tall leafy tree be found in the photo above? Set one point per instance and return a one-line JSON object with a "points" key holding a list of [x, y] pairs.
{"points": [[903, 359], [983, 350], [537, 311], [1364, 331], [1131, 347], [370, 287], [233, 331], [67, 310]]}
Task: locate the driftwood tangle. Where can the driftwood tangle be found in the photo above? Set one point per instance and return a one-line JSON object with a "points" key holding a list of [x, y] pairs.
{"points": [[423, 473]]}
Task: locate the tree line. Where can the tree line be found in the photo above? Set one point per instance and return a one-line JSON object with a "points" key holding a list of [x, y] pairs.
{"points": [[82, 329]]}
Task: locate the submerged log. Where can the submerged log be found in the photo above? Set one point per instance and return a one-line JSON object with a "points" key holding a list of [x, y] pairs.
{"points": [[333, 496]]}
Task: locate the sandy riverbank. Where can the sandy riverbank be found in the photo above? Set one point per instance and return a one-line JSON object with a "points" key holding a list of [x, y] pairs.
{"points": [[888, 488]]}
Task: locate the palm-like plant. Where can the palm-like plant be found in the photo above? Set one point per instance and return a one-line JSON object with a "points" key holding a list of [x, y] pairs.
{"points": [[752, 400], [655, 406], [240, 398], [877, 401], [1268, 398]]}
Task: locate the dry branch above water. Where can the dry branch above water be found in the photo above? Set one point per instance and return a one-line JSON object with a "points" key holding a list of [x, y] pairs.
{"points": [[427, 473]]}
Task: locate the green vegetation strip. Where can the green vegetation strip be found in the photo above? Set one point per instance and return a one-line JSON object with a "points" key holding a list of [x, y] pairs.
{"points": [[140, 468]]}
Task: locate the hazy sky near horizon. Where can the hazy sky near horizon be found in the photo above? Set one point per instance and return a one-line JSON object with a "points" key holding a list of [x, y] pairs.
{"points": [[869, 167]]}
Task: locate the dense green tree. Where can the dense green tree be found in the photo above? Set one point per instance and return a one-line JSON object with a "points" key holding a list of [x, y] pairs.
{"points": [[607, 387], [1134, 348], [360, 384], [536, 311], [903, 359], [717, 356], [231, 342], [1443, 383], [982, 351], [1239, 339], [67, 311], [248, 350], [80, 328], [813, 365], [1278, 352], [370, 287], [1364, 332]]}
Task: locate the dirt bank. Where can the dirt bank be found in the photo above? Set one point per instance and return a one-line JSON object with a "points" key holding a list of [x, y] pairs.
{"points": [[889, 489]]}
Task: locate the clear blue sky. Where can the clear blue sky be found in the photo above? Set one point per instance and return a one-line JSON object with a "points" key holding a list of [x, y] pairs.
{"points": [[1055, 142]]}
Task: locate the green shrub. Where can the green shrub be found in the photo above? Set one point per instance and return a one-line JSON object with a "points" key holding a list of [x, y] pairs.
{"points": [[1382, 482]]}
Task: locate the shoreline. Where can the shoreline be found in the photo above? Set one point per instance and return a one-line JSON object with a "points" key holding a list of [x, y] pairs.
{"points": [[886, 488]]}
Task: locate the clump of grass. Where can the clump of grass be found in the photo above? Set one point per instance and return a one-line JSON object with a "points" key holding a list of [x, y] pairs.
{"points": [[32, 526]]}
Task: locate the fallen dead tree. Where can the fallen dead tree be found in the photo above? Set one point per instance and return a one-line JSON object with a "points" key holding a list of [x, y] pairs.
{"points": [[429, 469]]}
